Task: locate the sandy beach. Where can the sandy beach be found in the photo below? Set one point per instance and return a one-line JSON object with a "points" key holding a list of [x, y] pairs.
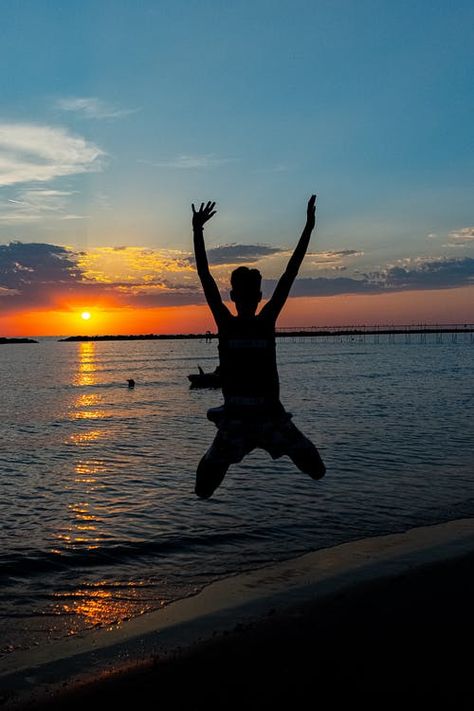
{"points": [[384, 620]]}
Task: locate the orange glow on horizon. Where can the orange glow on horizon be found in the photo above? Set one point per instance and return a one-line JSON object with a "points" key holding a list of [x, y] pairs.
{"points": [[440, 306], [108, 320], [403, 307]]}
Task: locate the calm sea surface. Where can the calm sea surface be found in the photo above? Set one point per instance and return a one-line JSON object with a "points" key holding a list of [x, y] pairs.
{"points": [[98, 518]]}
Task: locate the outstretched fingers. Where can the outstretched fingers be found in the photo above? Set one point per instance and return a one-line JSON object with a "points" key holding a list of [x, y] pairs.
{"points": [[205, 212], [210, 205]]}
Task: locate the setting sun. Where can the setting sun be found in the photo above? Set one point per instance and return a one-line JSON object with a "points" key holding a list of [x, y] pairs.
{"points": [[85, 315]]}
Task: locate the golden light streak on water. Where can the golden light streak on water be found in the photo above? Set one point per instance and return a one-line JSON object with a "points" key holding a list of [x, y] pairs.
{"points": [[88, 415], [86, 373], [100, 604], [85, 437], [88, 400]]}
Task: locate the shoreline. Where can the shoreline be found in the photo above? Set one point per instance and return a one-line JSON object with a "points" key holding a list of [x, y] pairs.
{"points": [[319, 595]]}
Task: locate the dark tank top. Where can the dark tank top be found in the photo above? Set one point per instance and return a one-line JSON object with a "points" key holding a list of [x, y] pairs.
{"points": [[247, 354]]}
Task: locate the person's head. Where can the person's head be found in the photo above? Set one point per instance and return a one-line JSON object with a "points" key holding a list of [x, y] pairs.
{"points": [[246, 290]]}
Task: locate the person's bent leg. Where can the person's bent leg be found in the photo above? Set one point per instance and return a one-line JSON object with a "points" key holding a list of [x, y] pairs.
{"points": [[308, 460], [303, 453], [231, 443], [209, 475], [213, 466]]}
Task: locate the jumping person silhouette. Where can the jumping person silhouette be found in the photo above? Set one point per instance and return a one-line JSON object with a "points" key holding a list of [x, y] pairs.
{"points": [[252, 415]]}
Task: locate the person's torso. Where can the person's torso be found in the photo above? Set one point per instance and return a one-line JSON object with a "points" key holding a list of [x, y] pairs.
{"points": [[248, 365]]}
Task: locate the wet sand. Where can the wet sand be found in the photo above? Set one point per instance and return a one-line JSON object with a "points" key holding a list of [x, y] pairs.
{"points": [[382, 621]]}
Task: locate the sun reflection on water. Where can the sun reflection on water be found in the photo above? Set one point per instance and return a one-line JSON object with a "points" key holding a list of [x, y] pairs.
{"points": [[88, 470], [86, 372], [88, 400], [88, 415], [82, 532], [85, 405], [103, 603], [86, 437]]}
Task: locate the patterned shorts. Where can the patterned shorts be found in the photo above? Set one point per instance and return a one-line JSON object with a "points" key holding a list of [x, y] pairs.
{"points": [[237, 437]]}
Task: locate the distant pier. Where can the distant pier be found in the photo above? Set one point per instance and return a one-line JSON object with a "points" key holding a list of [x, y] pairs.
{"points": [[408, 333]]}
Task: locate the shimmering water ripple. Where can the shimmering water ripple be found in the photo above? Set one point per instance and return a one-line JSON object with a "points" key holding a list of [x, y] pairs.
{"points": [[98, 519]]}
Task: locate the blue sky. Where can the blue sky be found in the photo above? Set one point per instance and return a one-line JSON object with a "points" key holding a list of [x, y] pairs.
{"points": [[116, 115]]}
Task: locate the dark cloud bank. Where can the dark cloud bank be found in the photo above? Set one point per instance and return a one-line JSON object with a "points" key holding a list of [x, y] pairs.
{"points": [[37, 275], [433, 274], [239, 253]]}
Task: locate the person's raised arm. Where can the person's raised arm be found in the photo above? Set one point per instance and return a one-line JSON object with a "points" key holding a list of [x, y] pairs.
{"points": [[282, 289], [211, 292]]}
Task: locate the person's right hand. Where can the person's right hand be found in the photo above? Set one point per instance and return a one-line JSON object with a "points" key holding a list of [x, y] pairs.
{"points": [[204, 214]]}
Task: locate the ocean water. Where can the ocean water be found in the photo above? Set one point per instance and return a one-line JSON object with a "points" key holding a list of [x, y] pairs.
{"points": [[98, 520]]}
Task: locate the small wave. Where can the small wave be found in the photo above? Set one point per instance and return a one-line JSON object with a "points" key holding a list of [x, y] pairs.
{"points": [[33, 563]]}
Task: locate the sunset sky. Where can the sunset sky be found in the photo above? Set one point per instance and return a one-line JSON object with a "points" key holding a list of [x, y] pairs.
{"points": [[117, 114]]}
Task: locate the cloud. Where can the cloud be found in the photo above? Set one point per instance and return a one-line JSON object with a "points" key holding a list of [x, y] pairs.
{"points": [[459, 238], [324, 286], [441, 273], [36, 153], [38, 275], [134, 265], [43, 199], [17, 216], [187, 162], [330, 260], [34, 204], [336, 254], [8, 292], [432, 274], [92, 108], [239, 253], [25, 266]]}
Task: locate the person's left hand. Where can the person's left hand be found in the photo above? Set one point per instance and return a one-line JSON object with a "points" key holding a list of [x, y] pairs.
{"points": [[311, 212]]}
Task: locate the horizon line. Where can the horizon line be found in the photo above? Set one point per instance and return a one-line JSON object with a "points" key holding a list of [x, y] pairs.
{"points": [[281, 331]]}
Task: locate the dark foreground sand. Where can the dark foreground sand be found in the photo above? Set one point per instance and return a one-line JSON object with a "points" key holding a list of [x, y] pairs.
{"points": [[386, 622]]}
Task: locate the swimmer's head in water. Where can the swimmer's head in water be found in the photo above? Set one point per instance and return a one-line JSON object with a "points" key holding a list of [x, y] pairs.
{"points": [[246, 290]]}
